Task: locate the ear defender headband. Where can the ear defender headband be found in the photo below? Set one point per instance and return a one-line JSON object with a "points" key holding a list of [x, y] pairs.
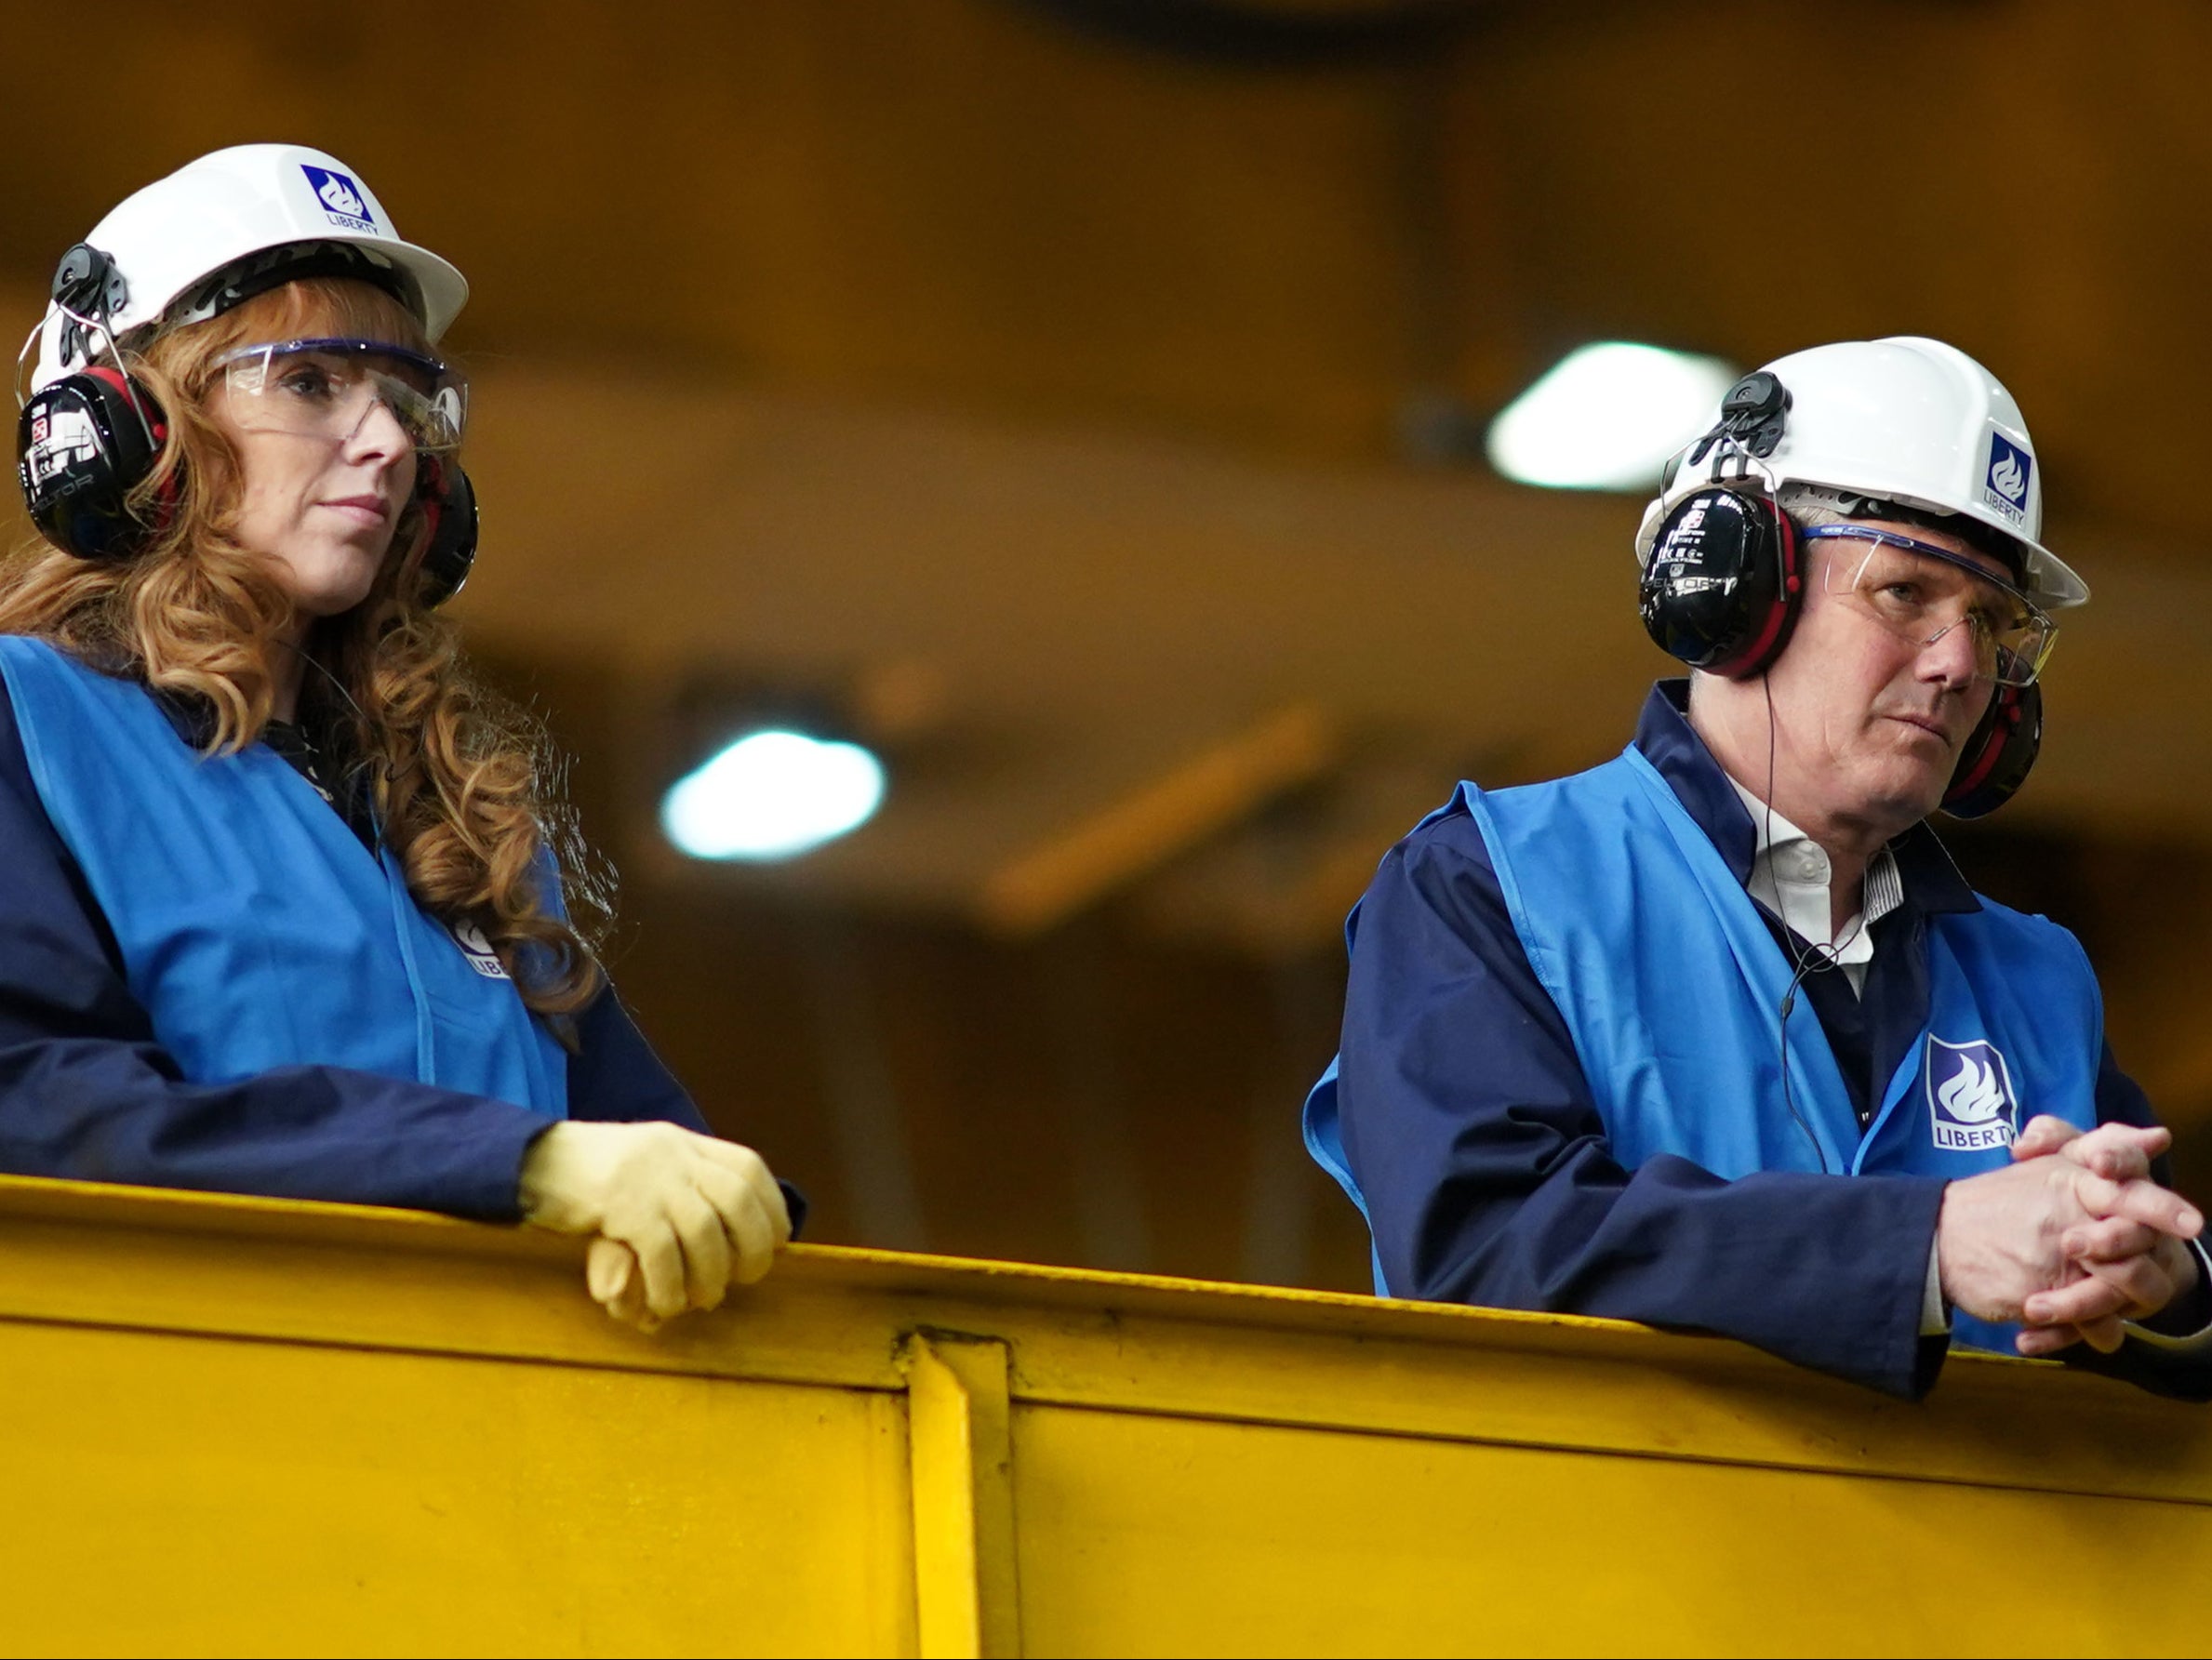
{"points": [[1724, 582], [86, 441]]}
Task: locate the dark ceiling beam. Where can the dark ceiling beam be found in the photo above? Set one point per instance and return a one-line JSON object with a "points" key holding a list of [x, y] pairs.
{"points": [[1273, 35]]}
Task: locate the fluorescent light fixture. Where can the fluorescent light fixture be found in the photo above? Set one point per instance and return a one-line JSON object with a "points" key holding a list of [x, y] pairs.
{"points": [[1605, 417], [772, 796]]}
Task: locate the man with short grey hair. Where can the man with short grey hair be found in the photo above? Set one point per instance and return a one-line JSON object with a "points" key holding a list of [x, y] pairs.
{"points": [[1714, 1036]]}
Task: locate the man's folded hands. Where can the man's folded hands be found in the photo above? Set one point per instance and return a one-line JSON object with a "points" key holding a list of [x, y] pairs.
{"points": [[2069, 1241]]}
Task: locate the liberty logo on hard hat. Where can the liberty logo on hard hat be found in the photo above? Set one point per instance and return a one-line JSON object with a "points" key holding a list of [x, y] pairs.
{"points": [[2010, 469], [342, 198], [1969, 1095]]}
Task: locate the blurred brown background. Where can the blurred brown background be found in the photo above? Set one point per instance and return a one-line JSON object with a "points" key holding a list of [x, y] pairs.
{"points": [[1082, 398]]}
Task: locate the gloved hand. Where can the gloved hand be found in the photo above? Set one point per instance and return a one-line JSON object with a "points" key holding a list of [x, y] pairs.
{"points": [[681, 1217]]}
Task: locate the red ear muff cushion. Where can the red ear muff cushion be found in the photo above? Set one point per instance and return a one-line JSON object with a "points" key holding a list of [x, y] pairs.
{"points": [[1722, 586], [1998, 754], [450, 530], [1771, 618], [135, 398]]}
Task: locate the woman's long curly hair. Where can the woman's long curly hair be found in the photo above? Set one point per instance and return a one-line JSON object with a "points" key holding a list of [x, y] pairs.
{"points": [[465, 785]]}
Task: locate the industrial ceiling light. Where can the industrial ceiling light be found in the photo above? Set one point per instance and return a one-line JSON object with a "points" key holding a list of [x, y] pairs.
{"points": [[1605, 417], [772, 794]]}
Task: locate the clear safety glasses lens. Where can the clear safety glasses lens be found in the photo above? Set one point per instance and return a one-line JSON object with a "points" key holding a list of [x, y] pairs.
{"points": [[1921, 592], [325, 388]]}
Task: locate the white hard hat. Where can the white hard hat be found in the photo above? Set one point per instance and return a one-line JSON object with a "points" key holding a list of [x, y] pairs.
{"points": [[163, 246], [1907, 420]]}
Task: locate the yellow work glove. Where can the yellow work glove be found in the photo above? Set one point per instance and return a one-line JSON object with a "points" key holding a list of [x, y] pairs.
{"points": [[680, 1217]]}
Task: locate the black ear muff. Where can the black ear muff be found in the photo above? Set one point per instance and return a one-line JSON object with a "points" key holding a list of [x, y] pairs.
{"points": [[1998, 753], [1722, 587], [83, 445], [449, 549]]}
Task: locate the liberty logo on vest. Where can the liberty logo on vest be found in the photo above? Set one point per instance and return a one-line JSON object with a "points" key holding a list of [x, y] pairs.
{"points": [[1969, 1094], [477, 949]]}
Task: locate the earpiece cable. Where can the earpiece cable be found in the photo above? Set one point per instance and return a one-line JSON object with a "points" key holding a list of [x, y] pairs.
{"points": [[376, 820], [1818, 959]]}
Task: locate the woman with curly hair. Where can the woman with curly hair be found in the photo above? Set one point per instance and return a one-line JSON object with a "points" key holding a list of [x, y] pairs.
{"points": [[288, 906]]}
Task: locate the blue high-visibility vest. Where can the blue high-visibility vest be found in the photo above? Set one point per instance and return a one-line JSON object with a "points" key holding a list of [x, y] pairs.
{"points": [[1671, 988], [255, 929]]}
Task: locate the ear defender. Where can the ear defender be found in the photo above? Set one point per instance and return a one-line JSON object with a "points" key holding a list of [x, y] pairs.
{"points": [[449, 549], [1722, 587], [1998, 753], [83, 445]]}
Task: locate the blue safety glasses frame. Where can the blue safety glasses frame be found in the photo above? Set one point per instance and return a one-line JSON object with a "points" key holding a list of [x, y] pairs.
{"points": [[325, 386], [2010, 650]]}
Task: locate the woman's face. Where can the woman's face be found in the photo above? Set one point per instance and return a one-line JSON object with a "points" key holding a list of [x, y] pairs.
{"points": [[322, 505]]}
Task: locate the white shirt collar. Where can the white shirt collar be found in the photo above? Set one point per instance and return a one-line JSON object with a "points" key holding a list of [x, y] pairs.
{"points": [[1791, 875]]}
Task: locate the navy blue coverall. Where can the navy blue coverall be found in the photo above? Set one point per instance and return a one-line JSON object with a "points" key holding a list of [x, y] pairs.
{"points": [[1477, 1143], [85, 1092]]}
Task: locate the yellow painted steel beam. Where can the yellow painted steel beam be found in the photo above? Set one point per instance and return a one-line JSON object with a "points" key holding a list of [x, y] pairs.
{"points": [[959, 1439], [254, 1427]]}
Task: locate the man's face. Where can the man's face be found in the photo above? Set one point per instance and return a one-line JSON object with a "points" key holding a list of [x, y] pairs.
{"points": [[1871, 713]]}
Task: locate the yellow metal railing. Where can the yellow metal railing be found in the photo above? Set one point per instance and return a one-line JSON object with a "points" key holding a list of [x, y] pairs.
{"points": [[244, 1426]]}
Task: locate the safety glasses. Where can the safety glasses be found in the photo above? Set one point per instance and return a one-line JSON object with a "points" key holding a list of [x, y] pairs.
{"points": [[325, 388], [1921, 591]]}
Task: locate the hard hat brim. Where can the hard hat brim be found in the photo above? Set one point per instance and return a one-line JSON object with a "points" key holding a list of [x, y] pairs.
{"points": [[445, 290], [2051, 582], [2046, 579], [442, 288]]}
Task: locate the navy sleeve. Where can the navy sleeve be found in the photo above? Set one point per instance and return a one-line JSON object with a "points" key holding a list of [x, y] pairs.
{"points": [[2121, 1100], [1472, 1133], [85, 1092], [614, 1074]]}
